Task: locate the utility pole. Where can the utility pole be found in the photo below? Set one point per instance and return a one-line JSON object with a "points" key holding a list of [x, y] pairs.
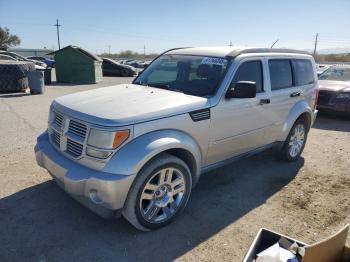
{"points": [[274, 43], [58, 34], [109, 50], [230, 43], [316, 39], [144, 50]]}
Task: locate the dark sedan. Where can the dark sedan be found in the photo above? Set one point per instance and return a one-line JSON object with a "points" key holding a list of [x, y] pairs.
{"points": [[112, 68], [334, 90], [47, 61]]}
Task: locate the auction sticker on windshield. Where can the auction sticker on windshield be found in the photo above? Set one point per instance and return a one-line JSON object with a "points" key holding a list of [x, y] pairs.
{"points": [[214, 61]]}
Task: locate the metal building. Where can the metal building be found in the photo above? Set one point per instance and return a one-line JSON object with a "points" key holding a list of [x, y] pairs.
{"points": [[76, 65]]}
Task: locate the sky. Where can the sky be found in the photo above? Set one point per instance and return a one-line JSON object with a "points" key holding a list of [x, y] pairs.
{"points": [[157, 25]]}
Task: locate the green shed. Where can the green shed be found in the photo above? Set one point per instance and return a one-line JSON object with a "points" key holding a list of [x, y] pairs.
{"points": [[76, 65]]}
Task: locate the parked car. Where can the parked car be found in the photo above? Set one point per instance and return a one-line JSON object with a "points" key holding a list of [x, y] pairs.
{"points": [[38, 65], [320, 68], [135, 63], [7, 57], [334, 90], [47, 61], [112, 68], [139, 149]]}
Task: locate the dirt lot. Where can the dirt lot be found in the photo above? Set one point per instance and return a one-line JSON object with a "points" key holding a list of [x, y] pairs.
{"points": [[307, 200]]}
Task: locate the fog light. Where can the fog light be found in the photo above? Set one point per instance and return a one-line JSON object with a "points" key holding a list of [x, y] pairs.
{"points": [[97, 153], [94, 196]]}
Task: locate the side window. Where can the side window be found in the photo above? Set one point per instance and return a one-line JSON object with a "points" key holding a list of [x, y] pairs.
{"points": [[250, 71], [303, 72], [280, 74]]}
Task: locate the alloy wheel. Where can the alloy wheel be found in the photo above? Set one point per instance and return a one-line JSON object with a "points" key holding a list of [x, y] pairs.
{"points": [[162, 194], [297, 140]]}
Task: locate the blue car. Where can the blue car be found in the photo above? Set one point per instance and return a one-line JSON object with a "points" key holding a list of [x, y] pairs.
{"points": [[47, 61]]}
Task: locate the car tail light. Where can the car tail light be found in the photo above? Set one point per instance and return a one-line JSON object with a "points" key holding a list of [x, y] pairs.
{"points": [[316, 97]]}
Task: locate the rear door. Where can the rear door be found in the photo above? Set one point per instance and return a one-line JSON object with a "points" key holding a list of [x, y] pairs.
{"points": [[284, 93]]}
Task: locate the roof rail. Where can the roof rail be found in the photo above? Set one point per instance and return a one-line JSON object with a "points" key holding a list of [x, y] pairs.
{"points": [[265, 50]]}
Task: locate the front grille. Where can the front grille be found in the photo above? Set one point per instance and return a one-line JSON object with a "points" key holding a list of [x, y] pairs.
{"points": [[324, 96], [58, 119], [73, 148], [77, 128], [56, 138]]}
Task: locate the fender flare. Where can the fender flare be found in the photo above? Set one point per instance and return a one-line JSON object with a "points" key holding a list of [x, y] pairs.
{"points": [[134, 155], [297, 110]]}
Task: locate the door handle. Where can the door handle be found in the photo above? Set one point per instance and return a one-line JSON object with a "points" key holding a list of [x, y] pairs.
{"points": [[264, 101], [295, 94]]}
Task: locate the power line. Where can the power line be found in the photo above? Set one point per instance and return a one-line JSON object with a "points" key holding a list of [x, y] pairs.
{"points": [[58, 34]]}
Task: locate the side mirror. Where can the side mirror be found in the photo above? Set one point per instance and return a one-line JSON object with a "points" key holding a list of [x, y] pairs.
{"points": [[241, 89]]}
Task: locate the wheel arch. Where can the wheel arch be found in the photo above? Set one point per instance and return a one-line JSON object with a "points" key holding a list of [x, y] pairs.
{"points": [[299, 110], [138, 152]]}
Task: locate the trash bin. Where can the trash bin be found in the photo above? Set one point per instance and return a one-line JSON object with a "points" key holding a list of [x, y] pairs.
{"points": [[36, 82], [47, 75]]}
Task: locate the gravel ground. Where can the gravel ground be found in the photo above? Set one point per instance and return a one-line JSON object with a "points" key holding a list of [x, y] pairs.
{"points": [[307, 200]]}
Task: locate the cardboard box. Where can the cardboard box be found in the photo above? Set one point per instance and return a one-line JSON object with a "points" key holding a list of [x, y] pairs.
{"points": [[332, 249]]}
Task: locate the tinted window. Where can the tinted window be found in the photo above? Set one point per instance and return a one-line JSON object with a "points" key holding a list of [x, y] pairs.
{"points": [[303, 72], [250, 71], [280, 74]]}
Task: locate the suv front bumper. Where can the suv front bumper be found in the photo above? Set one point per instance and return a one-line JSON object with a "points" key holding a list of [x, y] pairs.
{"points": [[104, 193]]}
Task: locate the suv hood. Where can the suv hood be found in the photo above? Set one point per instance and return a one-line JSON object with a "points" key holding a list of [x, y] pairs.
{"points": [[333, 85], [126, 104]]}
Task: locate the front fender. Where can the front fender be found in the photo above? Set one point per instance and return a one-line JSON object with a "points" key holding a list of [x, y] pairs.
{"points": [[298, 109], [133, 156]]}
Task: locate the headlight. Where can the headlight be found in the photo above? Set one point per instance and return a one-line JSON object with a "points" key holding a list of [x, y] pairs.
{"points": [[106, 139], [343, 96]]}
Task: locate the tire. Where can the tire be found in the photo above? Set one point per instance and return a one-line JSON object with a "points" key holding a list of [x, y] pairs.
{"points": [[151, 204], [292, 146]]}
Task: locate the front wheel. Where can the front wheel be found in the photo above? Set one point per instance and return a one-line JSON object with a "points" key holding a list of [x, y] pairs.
{"points": [[295, 142], [159, 193]]}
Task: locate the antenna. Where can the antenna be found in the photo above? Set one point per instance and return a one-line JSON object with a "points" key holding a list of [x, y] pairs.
{"points": [[274, 43]]}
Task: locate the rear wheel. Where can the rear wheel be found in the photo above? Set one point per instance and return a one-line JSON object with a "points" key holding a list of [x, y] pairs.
{"points": [[159, 193], [295, 142]]}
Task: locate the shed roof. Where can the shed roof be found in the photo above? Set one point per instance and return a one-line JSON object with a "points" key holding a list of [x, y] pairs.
{"points": [[85, 52]]}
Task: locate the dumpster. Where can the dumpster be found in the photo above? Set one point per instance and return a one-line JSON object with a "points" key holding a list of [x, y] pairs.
{"points": [[36, 82], [47, 76]]}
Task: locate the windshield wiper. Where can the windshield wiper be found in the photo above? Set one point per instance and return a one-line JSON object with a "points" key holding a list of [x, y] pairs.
{"points": [[166, 87], [141, 83]]}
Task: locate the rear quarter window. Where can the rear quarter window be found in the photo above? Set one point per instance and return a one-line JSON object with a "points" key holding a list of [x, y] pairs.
{"points": [[303, 72], [281, 75]]}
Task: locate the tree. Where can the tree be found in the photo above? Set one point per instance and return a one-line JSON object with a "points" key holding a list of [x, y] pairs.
{"points": [[6, 39]]}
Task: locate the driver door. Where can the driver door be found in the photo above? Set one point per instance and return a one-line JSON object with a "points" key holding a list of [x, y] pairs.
{"points": [[239, 125]]}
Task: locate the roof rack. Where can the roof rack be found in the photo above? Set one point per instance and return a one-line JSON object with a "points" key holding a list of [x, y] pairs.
{"points": [[264, 50]]}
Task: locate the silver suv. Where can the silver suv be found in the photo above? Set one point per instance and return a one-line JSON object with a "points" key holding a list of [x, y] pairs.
{"points": [[138, 149]]}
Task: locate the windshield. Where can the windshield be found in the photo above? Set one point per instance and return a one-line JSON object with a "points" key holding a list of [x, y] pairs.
{"points": [[336, 73], [193, 75]]}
